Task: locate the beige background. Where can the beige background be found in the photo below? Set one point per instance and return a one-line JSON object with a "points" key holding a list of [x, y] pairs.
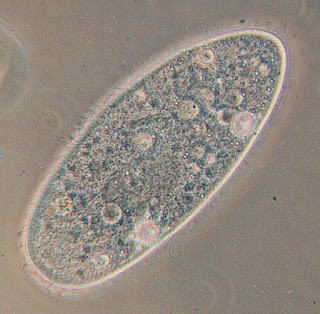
{"points": [[244, 253]]}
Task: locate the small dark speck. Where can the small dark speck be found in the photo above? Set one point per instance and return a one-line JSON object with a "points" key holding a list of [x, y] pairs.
{"points": [[3, 255], [274, 198], [242, 21]]}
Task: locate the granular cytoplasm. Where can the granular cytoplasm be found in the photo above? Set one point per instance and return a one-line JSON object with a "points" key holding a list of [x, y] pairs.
{"points": [[152, 157]]}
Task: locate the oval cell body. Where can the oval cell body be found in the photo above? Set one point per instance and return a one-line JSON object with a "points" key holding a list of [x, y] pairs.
{"points": [[152, 157]]}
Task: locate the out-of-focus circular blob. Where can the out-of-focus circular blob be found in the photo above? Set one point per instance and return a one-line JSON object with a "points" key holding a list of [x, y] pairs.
{"points": [[47, 112], [14, 70]]}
